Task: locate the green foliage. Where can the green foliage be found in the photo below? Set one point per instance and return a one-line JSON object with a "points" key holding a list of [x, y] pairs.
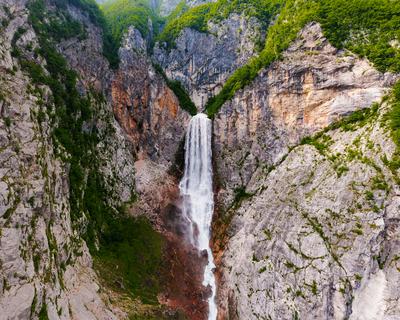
{"points": [[131, 251], [90, 7], [314, 288], [181, 8], [33, 305], [240, 195], [194, 18], [184, 100], [43, 312], [393, 119], [356, 119], [121, 14], [59, 25], [394, 114], [351, 122], [320, 141], [7, 121], [20, 31], [197, 17], [262, 270], [365, 27], [341, 169]]}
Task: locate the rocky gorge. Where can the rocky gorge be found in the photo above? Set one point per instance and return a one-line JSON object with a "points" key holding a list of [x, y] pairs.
{"points": [[305, 159]]}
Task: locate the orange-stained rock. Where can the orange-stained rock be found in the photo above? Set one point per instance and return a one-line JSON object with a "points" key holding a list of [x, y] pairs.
{"points": [[145, 107]]}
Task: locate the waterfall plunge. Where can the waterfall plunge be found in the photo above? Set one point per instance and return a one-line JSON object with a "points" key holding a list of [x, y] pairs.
{"points": [[198, 198]]}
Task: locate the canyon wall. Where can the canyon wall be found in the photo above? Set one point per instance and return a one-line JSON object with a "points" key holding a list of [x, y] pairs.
{"points": [[45, 264], [307, 231]]}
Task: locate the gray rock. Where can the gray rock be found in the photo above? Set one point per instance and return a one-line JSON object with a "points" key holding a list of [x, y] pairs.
{"points": [[203, 61]]}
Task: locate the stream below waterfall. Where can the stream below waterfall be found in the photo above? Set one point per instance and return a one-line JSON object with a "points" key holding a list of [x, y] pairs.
{"points": [[198, 198]]}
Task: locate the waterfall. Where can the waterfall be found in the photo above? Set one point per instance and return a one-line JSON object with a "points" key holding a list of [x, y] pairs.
{"points": [[198, 198]]}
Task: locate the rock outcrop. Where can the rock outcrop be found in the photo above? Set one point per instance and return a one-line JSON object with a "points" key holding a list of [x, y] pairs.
{"points": [[146, 108], [203, 61], [313, 85], [318, 236]]}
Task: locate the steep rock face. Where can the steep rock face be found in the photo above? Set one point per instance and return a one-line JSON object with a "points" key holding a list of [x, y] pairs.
{"points": [[309, 88], [44, 263], [317, 241], [146, 108], [85, 55], [297, 225], [203, 61]]}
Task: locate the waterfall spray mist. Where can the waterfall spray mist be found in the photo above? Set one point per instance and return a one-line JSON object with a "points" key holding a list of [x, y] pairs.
{"points": [[198, 198]]}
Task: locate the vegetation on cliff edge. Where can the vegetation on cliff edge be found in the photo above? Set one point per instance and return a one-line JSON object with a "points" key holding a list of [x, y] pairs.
{"points": [[121, 14], [183, 97], [198, 17], [90, 7], [367, 27]]}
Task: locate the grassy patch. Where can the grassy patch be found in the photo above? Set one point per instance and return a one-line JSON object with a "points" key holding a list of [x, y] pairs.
{"points": [[352, 122], [240, 195], [393, 120], [43, 311], [320, 141], [130, 258]]}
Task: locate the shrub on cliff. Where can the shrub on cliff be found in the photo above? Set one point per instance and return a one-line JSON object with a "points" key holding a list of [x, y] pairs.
{"points": [[90, 8]]}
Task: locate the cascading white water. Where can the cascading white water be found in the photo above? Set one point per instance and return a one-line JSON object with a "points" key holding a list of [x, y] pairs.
{"points": [[197, 193]]}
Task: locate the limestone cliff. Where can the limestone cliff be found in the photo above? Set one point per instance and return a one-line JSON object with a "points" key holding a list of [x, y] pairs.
{"points": [[313, 85], [45, 265]]}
